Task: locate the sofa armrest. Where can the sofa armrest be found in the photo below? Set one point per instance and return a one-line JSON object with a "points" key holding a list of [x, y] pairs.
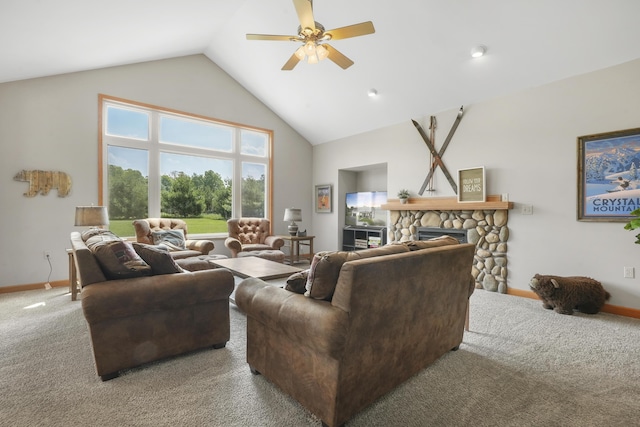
{"points": [[204, 246], [87, 267], [276, 242], [233, 245], [130, 297], [313, 323]]}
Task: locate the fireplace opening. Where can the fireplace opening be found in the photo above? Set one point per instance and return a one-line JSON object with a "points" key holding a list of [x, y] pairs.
{"points": [[426, 233]]}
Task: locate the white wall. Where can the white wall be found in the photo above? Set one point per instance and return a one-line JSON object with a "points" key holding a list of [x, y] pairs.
{"points": [[527, 143], [52, 124]]}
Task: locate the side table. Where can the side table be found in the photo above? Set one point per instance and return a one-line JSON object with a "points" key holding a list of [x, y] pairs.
{"points": [[73, 275], [294, 247]]}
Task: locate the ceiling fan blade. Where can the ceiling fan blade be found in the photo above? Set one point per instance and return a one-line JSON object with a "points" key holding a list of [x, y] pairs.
{"points": [[291, 63], [338, 58], [271, 37], [304, 9], [354, 30]]}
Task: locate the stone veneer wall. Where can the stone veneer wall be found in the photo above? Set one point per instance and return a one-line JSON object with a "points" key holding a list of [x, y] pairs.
{"points": [[486, 229]]}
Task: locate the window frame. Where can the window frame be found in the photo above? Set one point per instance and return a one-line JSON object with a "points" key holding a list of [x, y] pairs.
{"points": [[155, 147]]}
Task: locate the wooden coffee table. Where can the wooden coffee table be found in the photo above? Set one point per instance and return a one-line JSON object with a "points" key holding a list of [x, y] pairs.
{"points": [[256, 267]]}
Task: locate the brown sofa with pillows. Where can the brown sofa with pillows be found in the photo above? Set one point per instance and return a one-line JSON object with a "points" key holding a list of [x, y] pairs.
{"points": [[140, 306], [366, 322]]}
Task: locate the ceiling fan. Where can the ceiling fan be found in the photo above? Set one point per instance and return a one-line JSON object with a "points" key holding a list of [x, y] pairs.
{"points": [[314, 38]]}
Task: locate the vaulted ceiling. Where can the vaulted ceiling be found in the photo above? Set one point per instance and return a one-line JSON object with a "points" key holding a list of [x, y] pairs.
{"points": [[418, 59]]}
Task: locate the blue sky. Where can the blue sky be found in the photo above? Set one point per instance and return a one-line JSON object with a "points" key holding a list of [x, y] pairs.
{"points": [[182, 132], [608, 144]]}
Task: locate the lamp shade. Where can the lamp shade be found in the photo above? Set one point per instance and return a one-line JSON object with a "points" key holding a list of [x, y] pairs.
{"points": [[292, 214], [91, 216]]}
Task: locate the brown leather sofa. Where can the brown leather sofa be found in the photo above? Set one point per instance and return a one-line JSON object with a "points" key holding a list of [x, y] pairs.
{"points": [[393, 312], [137, 320], [251, 234]]}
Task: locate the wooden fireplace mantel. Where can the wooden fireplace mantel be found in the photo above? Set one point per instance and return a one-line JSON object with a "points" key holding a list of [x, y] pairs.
{"points": [[445, 204]]}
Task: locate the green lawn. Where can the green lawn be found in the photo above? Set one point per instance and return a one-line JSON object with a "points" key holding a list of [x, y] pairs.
{"points": [[207, 224]]}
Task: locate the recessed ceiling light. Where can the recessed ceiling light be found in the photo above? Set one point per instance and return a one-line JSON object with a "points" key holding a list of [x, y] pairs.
{"points": [[478, 51], [372, 93]]}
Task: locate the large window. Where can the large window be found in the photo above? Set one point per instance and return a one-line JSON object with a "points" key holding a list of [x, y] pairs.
{"points": [[156, 162]]}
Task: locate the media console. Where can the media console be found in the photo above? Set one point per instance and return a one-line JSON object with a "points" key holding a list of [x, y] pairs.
{"points": [[357, 237]]}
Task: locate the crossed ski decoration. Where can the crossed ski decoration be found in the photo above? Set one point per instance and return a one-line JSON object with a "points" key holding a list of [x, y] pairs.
{"points": [[437, 155]]}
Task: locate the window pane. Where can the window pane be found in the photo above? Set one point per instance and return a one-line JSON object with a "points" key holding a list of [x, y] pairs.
{"points": [[190, 163], [195, 134], [128, 188], [254, 143], [253, 189], [127, 123], [194, 186]]}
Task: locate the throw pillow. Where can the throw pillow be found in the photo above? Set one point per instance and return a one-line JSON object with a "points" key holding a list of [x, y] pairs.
{"points": [[415, 245], [119, 260], [297, 282], [158, 258], [172, 239], [95, 235], [323, 274]]}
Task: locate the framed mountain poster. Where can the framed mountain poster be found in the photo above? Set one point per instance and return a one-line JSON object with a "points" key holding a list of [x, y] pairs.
{"points": [[608, 176]]}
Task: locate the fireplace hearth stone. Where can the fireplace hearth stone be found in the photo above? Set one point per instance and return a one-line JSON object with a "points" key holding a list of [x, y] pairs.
{"points": [[487, 229]]}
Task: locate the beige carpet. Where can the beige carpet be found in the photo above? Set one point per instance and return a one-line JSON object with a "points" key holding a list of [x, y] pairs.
{"points": [[520, 365]]}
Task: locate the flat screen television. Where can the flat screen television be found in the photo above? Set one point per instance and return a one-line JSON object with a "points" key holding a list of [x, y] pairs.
{"points": [[363, 208]]}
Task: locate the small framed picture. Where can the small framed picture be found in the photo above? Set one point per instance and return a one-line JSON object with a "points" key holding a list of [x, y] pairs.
{"points": [[471, 185], [323, 198], [608, 176]]}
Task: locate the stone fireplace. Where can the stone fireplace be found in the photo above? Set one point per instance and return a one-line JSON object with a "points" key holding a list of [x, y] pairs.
{"points": [[426, 233], [486, 228]]}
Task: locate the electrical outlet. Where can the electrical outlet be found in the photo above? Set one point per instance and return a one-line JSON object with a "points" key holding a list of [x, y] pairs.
{"points": [[46, 255], [527, 209], [629, 272], [505, 197]]}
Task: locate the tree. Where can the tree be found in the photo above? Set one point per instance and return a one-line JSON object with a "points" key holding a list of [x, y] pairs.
{"points": [[253, 191], [127, 193], [208, 185], [221, 200], [182, 200]]}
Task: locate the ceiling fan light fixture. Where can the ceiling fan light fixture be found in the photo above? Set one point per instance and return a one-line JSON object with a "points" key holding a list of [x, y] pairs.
{"points": [[300, 53], [478, 51], [310, 48], [311, 34], [322, 52]]}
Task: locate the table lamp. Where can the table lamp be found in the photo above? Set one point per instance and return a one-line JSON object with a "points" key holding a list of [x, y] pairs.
{"points": [[91, 216], [293, 215]]}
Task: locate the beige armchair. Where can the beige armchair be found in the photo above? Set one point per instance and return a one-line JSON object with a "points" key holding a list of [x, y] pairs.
{"points": [[146, 227], [251, 234]]}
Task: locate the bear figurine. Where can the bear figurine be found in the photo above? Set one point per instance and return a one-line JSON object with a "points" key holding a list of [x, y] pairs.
{"points": [[564, 294]]}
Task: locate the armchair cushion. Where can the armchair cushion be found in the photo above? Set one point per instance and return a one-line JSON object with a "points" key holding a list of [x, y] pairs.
{"points": [[158, 258]]}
